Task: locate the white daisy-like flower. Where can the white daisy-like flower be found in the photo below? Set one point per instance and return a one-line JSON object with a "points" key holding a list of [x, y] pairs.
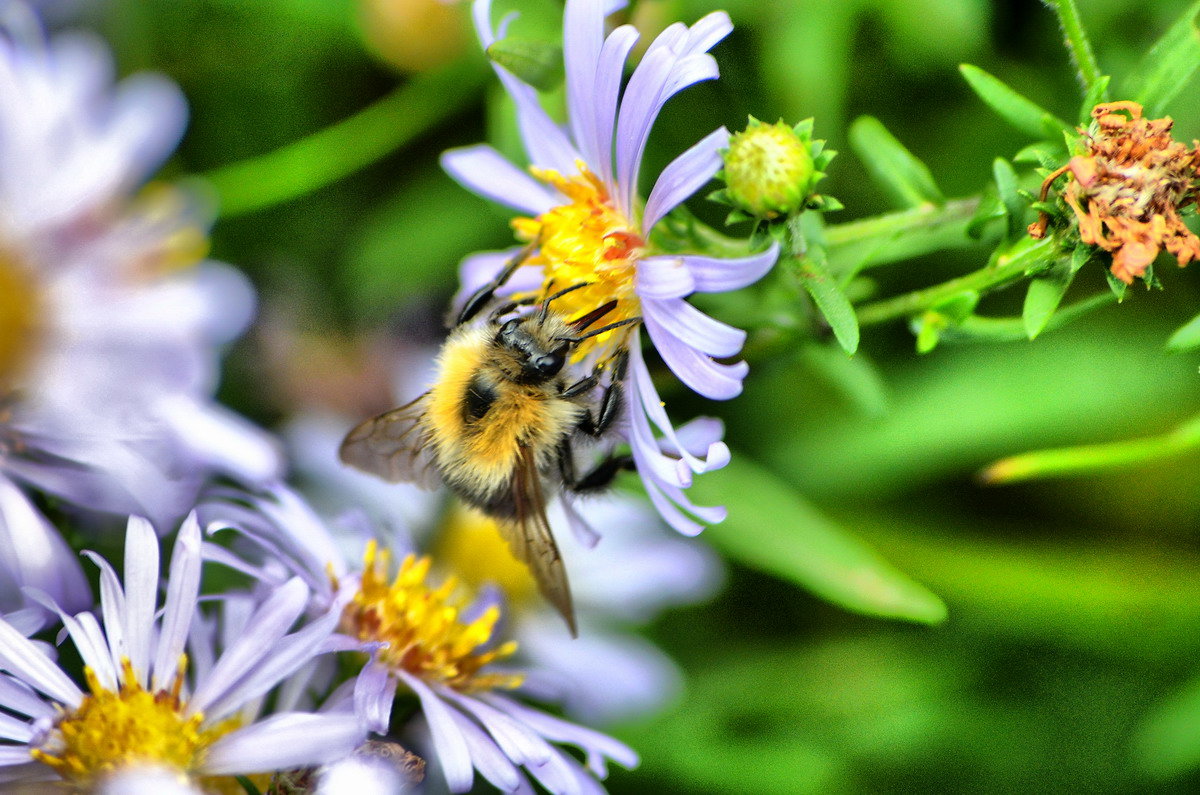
{"points": [[110, 318], [425, 638], [150, 711]]}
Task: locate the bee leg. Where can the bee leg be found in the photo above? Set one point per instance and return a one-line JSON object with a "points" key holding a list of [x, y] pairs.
{"points": [[602, 476], [484, 294], [612, 401]]}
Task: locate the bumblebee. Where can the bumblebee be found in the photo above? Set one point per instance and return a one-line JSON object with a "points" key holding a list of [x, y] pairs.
{"points": [[500, 423]]}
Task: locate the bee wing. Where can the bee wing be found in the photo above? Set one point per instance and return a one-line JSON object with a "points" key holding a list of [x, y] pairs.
{"points": [[394, 447], [532, 542]]}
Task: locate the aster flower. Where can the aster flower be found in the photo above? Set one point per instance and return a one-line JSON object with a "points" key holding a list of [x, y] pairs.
{"points": [[585, 223], [140, 717], [1127, 189], [425, 637], [638, 567], [110, 320]]}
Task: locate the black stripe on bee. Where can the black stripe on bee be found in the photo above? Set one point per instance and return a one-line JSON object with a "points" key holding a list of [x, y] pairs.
{"points": [[480, 397]]}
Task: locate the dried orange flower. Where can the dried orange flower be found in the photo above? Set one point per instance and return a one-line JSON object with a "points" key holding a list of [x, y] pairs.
{"points": [[1128, 189]]}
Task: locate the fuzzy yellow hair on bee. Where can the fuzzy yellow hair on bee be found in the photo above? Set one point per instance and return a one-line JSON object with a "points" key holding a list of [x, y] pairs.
{"points": [[498, 424]]}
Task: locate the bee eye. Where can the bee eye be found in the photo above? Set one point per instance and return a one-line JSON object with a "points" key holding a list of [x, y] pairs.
{"points": [[550, 364]]}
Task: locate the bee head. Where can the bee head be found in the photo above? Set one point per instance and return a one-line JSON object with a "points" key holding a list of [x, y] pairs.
{"points": [[537, 356]]}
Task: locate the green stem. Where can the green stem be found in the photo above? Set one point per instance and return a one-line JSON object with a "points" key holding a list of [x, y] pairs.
{"points": [[1076, 41], [1025, 256], [347, 146], [894, 237], [1086, 459]]}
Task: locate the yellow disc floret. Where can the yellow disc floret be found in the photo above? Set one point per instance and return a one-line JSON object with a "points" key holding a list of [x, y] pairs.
{"points": [[469, 544], [585, 241], [130, 727], [20, 319], [422, 626]]}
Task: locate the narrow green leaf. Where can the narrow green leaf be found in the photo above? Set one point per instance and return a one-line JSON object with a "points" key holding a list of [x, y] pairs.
{"points": [[1168, 67], [898, 171], [1012, 329], [1186, 337], [771, 528], [1047, 154], [829, 298], [1042, 299], [538, 63], [854, 377], [1010, 197], [1019, 111]]}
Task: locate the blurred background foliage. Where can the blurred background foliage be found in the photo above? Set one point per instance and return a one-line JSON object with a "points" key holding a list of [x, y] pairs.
{"points": [[1068, 658]]}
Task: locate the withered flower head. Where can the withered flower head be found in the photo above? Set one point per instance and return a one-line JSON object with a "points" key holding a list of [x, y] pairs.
{"points": [[1127, 190]]}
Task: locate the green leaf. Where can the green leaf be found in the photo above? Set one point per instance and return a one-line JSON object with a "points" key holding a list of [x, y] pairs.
{"points": [[854, 377], [538, 63], [929, 328], [1168, 743], [903, 177], [1047, 154], [1022, 113], [1014, 205], [1042, 299], [1168, 67], [771, 528], [990, 208], [1096, 94], [829, 298], [1186, 337]]}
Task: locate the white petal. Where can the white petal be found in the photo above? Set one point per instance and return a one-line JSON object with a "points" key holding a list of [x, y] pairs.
{"points": [[283, 742], [20, 657], [141, 594], [183, 587]]}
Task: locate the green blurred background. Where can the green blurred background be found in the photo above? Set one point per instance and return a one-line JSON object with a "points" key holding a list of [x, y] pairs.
{"points": [[1068, 659]]}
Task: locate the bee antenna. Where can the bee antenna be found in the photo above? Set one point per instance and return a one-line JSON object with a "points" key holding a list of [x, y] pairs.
{"points": [[576, 340], [580, 323], [546, 304]]}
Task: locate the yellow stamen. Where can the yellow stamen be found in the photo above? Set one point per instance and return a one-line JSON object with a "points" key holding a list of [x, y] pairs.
{"points": [[422, 626], [20, 319], [587, 240], [469, 544], [130, 727]]}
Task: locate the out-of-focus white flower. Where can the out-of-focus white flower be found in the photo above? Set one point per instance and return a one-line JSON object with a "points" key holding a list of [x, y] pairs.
{"points": [[111, 320]]}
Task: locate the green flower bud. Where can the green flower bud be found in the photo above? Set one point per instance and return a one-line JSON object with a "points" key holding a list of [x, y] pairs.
{"points": [[769, 170]]}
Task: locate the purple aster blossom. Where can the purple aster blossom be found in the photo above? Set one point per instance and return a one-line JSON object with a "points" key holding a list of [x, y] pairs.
{"points": [[472, 727], [637, 568], [601, 150], [110, 322], [140, 680]]}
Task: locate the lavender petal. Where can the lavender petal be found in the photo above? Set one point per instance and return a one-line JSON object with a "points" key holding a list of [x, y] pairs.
{"points": [[683, 176]]}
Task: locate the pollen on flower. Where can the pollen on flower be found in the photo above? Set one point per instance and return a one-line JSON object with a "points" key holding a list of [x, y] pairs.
{"points": [[1127, 189], [20, 319], [132, 726], [469, 544], [585, 241], [423, 627]]}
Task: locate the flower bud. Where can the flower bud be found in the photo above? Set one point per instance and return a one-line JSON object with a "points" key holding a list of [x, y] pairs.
{"points": [[414, 35], [768, 170]]}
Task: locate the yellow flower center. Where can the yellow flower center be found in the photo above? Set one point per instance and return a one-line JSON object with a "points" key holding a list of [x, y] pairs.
{"points": [[469, 544], [422, 626], [585, 241], [20, 319], [111, 731]]}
